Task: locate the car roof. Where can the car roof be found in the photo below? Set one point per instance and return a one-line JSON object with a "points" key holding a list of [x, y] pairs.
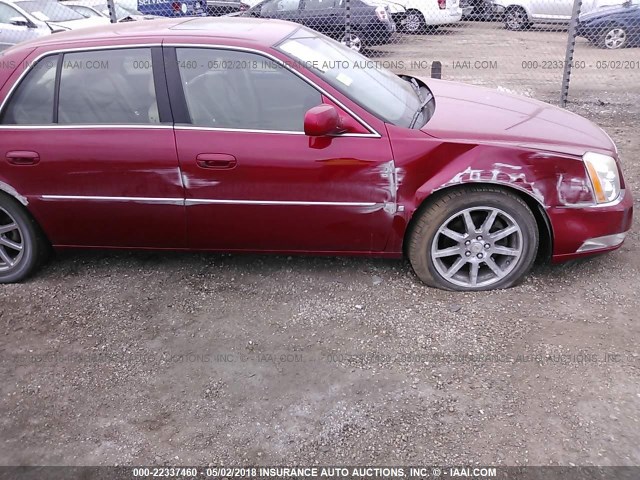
{"points": [[256, 31]]}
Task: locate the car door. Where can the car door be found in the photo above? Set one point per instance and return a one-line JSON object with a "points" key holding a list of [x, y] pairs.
{"points": [[253, 180], [554, 11], [87, 139], [325, 16]]}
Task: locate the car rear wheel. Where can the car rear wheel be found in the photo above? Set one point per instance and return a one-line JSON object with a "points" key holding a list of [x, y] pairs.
{"points": [[414, 22], [353, 41], [478, 238], [613, 37], [21, 245], [516, 18]]}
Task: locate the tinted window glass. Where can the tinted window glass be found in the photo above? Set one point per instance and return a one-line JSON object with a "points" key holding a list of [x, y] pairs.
{"points": [[32, 101], [276, 6], [320, 4], [228, 89], [110, 86]]}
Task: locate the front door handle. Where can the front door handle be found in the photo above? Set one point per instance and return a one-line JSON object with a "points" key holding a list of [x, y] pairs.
{"points": [[22, 157], [218, 161]]}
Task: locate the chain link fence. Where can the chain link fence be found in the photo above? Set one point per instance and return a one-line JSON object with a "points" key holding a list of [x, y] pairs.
{"points": [[554, 50]]}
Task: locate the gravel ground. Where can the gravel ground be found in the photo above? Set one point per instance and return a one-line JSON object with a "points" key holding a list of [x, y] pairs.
{"points": [[158, 358]]}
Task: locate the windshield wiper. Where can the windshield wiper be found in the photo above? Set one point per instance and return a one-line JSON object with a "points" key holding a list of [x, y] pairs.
{"points": [[423, 104], [416, 88]]}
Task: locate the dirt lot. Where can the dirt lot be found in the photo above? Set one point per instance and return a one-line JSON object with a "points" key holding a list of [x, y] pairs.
{"points": [[151, 358]]}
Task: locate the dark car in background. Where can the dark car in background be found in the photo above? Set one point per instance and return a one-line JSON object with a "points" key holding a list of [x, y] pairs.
{"points": [[218, 8], [371, 23], [613, 28], [172, 8], [482, 10]]}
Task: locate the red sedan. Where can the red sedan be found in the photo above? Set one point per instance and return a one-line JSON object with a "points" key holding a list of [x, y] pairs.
{"points": [[233, 134]]}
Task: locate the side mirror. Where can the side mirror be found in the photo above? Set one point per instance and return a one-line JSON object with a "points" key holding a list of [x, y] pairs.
{"points": [[321, 121], [19, 22]]}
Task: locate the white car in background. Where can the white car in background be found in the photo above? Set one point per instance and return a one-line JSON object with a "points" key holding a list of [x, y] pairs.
{"points": [[100, 8], [414, 16], [423, 15], [521, 14], [22, 20]]}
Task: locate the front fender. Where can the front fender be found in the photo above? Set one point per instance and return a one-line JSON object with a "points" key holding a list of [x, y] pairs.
{"points": [[551, 179]]}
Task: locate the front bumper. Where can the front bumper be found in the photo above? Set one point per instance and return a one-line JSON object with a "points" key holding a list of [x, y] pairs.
{"points": [[580, 232]]}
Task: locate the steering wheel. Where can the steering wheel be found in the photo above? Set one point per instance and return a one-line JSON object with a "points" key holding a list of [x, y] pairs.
{"points": [[209, 107]]}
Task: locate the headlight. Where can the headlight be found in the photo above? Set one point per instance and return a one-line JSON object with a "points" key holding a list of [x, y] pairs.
{"points": [[604, 175]]}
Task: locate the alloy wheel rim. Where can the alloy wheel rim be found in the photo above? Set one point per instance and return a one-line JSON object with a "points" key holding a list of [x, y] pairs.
{"points": [[354, 42], [615, 38], [477, 247], [11, 241], [515, 20], [412, 23]]}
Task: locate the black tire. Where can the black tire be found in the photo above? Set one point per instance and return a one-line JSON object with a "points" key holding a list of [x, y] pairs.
{"points": [[606, 37], [516, 18], [438, 213], [27, 234], [414, 22]]}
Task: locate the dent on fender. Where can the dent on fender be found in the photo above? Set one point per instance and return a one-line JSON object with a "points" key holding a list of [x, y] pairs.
{"points": [[391, 179], [539, 174], [501, 173]]}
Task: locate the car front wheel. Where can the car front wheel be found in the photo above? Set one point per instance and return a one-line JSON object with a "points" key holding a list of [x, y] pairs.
{"points": [[413, 22], [478, 238], [21, 244], [613, 37], [516, 18]]}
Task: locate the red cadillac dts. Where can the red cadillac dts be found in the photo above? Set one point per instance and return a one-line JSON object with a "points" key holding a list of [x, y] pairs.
{"points": [[236, 135]]}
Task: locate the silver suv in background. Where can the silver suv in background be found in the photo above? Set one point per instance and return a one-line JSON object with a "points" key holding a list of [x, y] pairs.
{"points": [[521, 14], [22, 20]]}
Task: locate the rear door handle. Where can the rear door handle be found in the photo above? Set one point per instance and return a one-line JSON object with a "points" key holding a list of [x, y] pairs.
{"points": [[22, 157], [218, 161]]}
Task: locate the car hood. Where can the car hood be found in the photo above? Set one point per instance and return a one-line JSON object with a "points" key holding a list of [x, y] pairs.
{"points": [[468, 113]]}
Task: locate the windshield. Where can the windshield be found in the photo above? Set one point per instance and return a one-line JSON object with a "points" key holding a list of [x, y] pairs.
{"points": [[379, 91], [45, 11]]}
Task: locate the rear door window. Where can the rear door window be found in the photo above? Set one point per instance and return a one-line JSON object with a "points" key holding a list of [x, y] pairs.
{"points": [[96, 87], [32, 102], [108, 87]]}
